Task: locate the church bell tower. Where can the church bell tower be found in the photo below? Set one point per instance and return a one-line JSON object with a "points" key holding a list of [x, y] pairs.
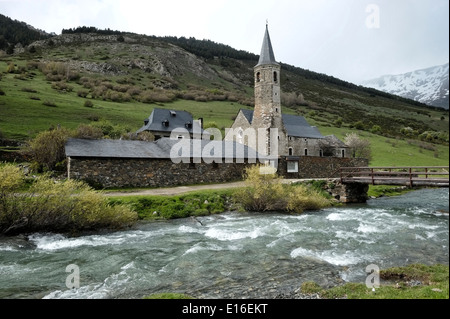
{"points": [[267, 113]]}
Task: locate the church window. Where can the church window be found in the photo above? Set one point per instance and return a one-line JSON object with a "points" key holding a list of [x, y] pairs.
{"points": [[275, 77], [291, 151], [343, 153], [258, 77], [306, 152], [321, 153]]}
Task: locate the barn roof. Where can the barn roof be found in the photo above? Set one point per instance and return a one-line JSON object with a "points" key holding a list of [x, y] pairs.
{"points": [[161, 149]]}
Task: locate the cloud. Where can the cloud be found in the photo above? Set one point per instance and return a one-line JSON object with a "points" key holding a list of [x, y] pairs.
{"points": [[326, 36]]}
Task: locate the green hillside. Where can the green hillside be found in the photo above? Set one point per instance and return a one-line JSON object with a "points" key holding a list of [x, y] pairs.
{"points": [[80, 77]]}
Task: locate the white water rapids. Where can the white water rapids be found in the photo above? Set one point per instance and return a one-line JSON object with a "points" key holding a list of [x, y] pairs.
{"points": [[232, 255]]}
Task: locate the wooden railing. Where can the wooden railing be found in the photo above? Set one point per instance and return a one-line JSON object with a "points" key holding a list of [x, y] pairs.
{"points": [[410, 176]]}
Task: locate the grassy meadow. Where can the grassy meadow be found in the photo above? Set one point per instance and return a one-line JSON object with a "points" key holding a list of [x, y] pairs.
{"points": [[31, 103]]}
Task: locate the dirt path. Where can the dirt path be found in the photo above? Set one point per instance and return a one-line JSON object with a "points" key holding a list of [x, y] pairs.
{"points": [[173, 190], [170, 191]]}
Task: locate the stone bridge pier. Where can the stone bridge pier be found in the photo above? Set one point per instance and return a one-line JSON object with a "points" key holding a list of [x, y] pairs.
{"points": [[347, 193]]}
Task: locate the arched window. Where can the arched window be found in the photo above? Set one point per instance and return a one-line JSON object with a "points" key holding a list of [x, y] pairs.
{"points": [[291, 151], [321, 153], [343, 153], [258, 77], [275, 77], [306, 152]]}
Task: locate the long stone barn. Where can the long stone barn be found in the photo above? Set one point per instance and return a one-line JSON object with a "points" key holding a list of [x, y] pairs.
{"points": [[167, 162]]}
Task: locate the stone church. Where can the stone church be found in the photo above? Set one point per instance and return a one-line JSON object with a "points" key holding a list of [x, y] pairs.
{"points": [[299, 149], [271, 132]]}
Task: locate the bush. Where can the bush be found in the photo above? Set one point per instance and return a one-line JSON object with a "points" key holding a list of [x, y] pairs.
{"points": [[88, 132], [66, 206], [266, 192], [302, 198], [376, 129], [109, 130], [82, 93], [47, 148], [88, 103], [359, 125], [49, 103]]}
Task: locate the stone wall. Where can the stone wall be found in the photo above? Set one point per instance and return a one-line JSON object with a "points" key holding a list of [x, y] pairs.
{"points": [[319, 167], [110, 172], [115, 172]]}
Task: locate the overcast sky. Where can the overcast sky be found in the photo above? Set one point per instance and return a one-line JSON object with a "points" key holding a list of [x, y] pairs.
{"points": [[353, 40]]}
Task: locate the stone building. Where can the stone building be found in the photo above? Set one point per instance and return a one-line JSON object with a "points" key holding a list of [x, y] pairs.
{"points": [[165, 162], [271, 132], [161, 123]]}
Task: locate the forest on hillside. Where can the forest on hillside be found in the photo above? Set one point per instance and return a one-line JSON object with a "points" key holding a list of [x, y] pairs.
{"points": [[13, 32]]}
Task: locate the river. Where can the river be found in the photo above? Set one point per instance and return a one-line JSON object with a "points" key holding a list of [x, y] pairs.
{"points": [[231, 255]]}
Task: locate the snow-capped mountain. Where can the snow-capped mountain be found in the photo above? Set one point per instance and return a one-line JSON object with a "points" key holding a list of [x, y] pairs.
{"points": [[429, 86]]}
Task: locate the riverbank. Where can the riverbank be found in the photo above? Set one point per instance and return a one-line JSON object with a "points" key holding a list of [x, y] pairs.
{"points": [[416, 281], [203, 200]]}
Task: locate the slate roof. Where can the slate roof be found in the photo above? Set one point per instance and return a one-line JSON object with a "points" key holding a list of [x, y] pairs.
{"points": [[295, 125], [267, 56], [162, 120], [160, 149], [332, 140]]}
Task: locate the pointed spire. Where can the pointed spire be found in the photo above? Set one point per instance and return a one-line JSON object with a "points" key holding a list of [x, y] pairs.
{"points": [[267, 56]]}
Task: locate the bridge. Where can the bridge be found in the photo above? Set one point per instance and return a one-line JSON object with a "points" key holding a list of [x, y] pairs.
{"points": [[437, 176]]}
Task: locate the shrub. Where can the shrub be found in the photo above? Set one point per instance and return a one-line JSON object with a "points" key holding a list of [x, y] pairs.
{"points": [[88, 103], [302, 198], [49, 103], [88, 132], [62, 86], [11, 67], [156, 96], [47, 148], [82, 93], [109, 130], [359, 125], [376, 129], [266, 192], [66, 206]]}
